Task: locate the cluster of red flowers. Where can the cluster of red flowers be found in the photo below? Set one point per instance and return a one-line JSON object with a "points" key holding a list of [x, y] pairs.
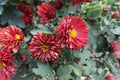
{"points": [[10, 39], [72, 33]]}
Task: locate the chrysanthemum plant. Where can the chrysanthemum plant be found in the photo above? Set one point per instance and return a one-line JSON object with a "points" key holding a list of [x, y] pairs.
{"points": [[59, 39]]}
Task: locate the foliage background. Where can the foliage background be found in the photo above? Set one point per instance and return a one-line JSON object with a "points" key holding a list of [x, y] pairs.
{"points": [[93, 61]]}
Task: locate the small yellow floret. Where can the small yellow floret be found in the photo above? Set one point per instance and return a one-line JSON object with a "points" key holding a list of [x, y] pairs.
{"points": [[17, 36], [1, 64], [73, 33], [46, 47]]}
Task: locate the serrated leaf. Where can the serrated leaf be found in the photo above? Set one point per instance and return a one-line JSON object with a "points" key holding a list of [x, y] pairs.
{"points": [[27, 38], [90, 67], [77, 69], [34, 31], [85, 54], [43, 70], [17, 22], [116, 31], [43, 28], [102, 75], [1, 10], [2, 2], [12, 18], [72, 9], [94, 12], [64, 72]]}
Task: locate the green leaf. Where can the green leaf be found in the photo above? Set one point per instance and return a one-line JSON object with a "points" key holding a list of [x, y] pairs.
{"points": [[94, 12], [64, 72], [27, 38], [77, 69], [43, 70], [112, 65], [42, 29], [85, 54], [102, 75], [116, 31], [1, 10], [90, 67], [2, 2], [35, 31], [72, 9], [12, 18]]}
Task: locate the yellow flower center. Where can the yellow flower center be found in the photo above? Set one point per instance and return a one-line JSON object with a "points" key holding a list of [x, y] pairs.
{"points": [[101, 3], [73, 33], [1, 64], [17, 36], [45, 47]]}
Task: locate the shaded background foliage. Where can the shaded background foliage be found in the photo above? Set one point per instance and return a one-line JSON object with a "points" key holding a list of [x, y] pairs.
{"points": [[93, 61]]}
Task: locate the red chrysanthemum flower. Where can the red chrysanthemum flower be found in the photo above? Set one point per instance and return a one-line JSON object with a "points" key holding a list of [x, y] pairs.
{"points": [[58, 4], [116, 14], [44, 47], [7, 67], [73, 31], [115, 48], [74, 2], [109, 77], [27, 13], [46, 12], [10, 38]]}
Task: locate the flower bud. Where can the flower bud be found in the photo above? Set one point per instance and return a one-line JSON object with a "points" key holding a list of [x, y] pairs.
{"points": [[109, 77], [23, 59], [58, 4], [84, 78], [116, 14]]}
